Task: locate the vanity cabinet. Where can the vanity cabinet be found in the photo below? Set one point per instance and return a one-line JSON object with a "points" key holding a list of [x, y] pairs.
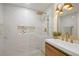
{"points": [[53, 51]]}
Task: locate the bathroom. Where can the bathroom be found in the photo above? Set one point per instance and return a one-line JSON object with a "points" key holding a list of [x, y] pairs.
{"points": [[24, 27]]}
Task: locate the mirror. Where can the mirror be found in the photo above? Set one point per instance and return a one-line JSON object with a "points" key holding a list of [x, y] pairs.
{"points": [[68, 21]]}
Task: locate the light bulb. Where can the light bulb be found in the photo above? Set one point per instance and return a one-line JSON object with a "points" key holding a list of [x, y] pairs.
{"points": [[61, 13], [70, 8], [66, 5], [57, 10]]}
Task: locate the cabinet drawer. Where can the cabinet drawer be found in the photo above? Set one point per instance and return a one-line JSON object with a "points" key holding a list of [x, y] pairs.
{"points": [[53, 51]]}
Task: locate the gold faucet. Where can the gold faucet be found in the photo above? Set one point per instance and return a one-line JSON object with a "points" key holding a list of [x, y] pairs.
{"points": [[68, 37]]}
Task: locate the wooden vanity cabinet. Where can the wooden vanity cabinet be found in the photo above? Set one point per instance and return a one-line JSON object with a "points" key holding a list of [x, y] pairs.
{"points": [[53, 51]]}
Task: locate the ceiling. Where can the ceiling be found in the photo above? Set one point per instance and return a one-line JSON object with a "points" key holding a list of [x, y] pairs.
{"points": [[43, 6], [34, 6]]}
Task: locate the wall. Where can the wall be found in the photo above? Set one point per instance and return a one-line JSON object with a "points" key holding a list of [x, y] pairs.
{"points": [[1, 30], [47, 21], [53, 19], [78, 26], [25, 44], [50, 15]]}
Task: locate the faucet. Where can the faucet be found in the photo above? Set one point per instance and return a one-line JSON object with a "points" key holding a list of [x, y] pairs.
{"points": [[67, 36]]}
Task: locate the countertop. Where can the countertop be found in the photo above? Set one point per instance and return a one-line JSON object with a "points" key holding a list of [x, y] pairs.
{"points": [[70, 48]]}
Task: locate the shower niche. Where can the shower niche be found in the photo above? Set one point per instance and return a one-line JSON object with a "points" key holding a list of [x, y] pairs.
{"points": [[25, 29]]}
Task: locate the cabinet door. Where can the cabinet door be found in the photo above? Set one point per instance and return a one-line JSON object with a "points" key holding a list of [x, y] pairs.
{"points": [[52, 51]]}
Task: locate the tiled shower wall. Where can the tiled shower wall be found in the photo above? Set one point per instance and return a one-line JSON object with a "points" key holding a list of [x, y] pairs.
{"points": [[19, 44], [13, 43], [1, 30]]}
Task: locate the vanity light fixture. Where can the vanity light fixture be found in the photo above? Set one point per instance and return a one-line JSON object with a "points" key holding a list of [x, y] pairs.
{"points": [[61, 12], [68, 6]]}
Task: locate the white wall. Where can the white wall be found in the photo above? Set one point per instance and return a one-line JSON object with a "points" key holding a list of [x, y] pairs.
{"points": [[50, 15], [18, 16], [21, 44], [78, 25], [1, 30]]}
